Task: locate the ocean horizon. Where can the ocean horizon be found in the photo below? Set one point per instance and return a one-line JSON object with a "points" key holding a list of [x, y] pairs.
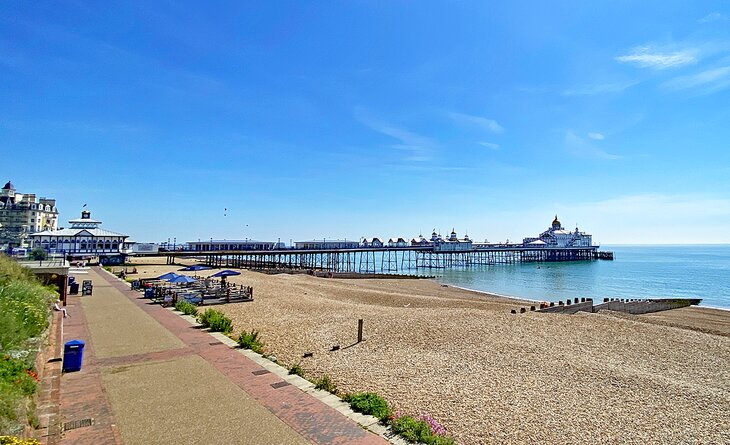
{"points": [[637, 271]]}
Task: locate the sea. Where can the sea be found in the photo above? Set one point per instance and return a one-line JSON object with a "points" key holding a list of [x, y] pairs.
{"points": [[637, 271]]}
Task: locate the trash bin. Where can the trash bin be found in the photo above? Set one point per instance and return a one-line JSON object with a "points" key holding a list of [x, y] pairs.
{"points": [[73, 354], [149, 293], [74, 289]]}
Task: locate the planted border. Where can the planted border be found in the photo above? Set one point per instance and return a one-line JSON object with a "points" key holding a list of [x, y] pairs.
{"points": [[187, 308], [216, 321]]}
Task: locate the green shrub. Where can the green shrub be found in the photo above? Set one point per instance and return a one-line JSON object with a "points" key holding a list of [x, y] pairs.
{"points": [[325, 383], [19, 374], [421, 430], [369, 403], [296, 369], [187, 308], [25, 306], [250, 340], [38, 254], [11, 271], [216, 321]]}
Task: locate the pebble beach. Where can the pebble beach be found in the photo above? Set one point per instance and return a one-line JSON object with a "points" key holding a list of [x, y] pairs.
{"points": [[494, 377]]}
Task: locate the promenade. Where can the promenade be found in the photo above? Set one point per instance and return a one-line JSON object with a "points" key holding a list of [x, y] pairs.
{"points": [[150, 377]]}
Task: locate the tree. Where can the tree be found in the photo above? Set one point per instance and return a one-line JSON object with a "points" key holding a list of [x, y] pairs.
{"points": [[38, 254]]}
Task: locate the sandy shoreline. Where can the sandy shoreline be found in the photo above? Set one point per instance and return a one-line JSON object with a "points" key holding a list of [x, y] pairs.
{"points": [[494, 377]]}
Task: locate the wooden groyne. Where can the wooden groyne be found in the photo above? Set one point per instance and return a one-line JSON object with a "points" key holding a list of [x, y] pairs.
{"points": [[635, 306]]}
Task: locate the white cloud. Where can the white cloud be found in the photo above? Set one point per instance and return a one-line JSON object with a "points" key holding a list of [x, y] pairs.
{"points": [[482, 122], [655, 218], [650, 57], [582, 148], [709, 80], [418, 148], [601, 88], [489, 145], [596, 136], [713, 17]]}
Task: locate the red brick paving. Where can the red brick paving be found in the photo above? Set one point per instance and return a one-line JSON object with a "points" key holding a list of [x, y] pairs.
{"points": [[49, 391], [83, 394]]}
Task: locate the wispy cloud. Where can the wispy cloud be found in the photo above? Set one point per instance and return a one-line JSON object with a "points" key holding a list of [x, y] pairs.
{"points": [[596, 136], [417, 148], [489, 145], [713, 17], [655, 218], [490, 125], [657, 58], [709, 81], [583, 148], [600, 88]]}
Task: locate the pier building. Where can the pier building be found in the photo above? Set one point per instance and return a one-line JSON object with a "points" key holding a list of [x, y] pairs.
{"points": [[83, 240], [397, 242], [439, 244], [375, 242], [325, 244], [557, 236], [22, 214], [222, 245]]}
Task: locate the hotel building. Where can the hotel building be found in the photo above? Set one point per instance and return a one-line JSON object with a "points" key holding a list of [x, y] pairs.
{"points": [[22, 214]]}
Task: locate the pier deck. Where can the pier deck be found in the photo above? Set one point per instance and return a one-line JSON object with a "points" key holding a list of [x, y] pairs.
{"points": [[387, 259]]}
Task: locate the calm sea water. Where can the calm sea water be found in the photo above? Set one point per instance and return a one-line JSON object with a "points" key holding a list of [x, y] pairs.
{"points": [[697, 271]]}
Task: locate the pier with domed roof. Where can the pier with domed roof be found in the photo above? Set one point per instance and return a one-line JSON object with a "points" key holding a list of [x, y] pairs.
{"points": [[398, 256]]}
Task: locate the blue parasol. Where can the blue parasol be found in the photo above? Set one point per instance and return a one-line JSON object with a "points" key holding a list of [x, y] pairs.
{"points": [[196, 267], [182, 279], [168, 276], [226, 273]]}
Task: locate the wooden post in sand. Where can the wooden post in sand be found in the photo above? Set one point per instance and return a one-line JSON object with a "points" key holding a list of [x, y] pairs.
{"points": [[359, 330]]}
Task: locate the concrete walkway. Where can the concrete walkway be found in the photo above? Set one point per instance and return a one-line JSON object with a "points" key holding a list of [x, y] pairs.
{"points": [[149, 377]]}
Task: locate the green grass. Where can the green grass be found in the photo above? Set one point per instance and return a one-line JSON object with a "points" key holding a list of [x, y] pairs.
{"points": [[325, 383], [296, 369], [250, 340], [369, 403], [25, 306]]}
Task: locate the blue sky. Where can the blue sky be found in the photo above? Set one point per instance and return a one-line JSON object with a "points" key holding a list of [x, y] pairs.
{"points": [[349, 119]]}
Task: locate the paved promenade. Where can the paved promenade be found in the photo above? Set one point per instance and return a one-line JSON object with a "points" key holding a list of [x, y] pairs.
{"points": [[150, 377]]}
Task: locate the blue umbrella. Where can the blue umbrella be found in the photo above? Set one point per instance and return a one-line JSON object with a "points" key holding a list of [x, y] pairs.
{"points": [[168, 276], [182, 279], [196, 267], [226, 273]]}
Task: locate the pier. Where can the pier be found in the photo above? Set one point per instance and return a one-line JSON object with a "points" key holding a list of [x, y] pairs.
{"points": [[388, 259]]}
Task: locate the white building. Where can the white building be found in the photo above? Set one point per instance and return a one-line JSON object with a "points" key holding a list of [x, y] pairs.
{"points": [[221, 245], [22, 214], [397, 242], [452, 243], [557, 236], [83, 240], [325, 244]]}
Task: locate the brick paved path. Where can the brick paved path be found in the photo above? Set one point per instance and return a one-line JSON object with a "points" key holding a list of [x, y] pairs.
{"points": [[150, 377]]}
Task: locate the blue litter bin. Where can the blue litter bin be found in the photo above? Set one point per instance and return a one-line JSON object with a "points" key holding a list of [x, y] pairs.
{"points": [[73, 354], [149, 293]]}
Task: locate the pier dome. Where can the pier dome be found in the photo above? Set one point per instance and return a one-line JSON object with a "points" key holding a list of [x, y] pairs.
{"points": [[556, 223], [8, 186]]}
